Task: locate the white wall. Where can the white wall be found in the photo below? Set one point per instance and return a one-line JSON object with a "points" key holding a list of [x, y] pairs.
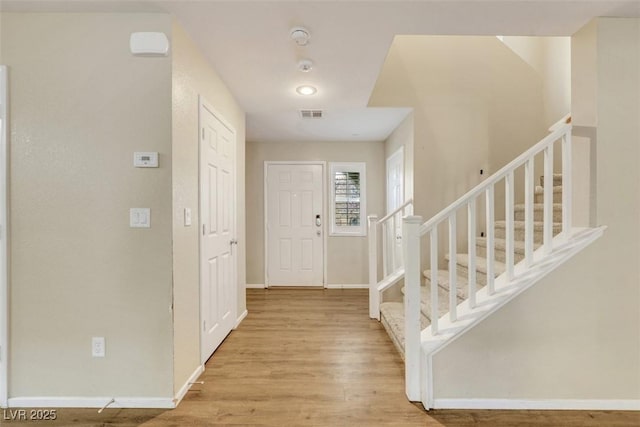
{"points": [[576, 334], [81, 104], [347, 257], [193, 76]]}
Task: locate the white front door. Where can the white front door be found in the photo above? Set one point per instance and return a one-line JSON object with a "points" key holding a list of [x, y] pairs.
{"points": [[217, 228], [395, 198], [295, 224]]}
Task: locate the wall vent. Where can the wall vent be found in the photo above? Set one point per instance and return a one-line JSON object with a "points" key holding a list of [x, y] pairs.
{"points": [[311, 114]]}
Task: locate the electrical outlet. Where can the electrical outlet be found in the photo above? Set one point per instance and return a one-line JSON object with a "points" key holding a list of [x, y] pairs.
{"points": [[97, 347]]}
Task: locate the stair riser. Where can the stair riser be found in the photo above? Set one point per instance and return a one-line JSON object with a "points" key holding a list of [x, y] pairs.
{"points": [[539, 197], [538, 215], [519, 234], [500, 254]]}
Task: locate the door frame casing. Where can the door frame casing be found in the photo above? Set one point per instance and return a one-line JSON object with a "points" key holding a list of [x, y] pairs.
{"points": [[4, 234], [204, 104], [321, 163]]}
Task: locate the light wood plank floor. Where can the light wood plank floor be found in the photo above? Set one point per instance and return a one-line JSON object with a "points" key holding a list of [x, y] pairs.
{"points": [[312, 357]]}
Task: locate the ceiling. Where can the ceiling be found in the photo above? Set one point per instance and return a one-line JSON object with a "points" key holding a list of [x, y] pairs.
{"points": [[248, 43]]}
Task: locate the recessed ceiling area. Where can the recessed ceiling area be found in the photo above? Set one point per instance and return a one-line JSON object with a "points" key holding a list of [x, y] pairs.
{"points": [[249, 44]]}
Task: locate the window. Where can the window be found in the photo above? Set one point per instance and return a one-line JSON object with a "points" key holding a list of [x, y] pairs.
{"points": [[348, 199]]}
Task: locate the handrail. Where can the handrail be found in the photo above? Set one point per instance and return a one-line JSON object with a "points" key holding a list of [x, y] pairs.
{"points": [[495, 178], [396, 211], [565, 120]]}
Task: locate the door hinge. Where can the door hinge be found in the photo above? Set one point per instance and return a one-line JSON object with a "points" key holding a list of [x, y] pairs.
{"points": [[203, 232], [202, 133], [204, 325]]}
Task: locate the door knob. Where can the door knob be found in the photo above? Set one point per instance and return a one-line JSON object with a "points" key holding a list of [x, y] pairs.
{"points": [[233, 242]]}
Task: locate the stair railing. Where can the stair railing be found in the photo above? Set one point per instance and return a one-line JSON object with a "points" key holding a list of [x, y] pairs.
{"points": [[392, 256], [414, 230]]}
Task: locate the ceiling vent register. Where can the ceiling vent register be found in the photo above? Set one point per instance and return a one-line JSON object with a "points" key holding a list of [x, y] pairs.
{"points": [[311, 114]]}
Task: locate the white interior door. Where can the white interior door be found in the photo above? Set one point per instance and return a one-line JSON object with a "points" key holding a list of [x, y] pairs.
{"points": [[217, 221], [395, 198], [295, 224]]}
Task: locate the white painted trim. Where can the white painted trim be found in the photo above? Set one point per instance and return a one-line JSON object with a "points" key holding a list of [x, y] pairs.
{"points": [[240, 319], [322, 163], [4, 233], [91, 402], [348, 286], [187, 385], [255, 286], [559, 404]]}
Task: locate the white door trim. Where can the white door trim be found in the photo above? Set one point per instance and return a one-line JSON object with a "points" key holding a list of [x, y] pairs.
{"points": [[323, 164], [204, 104], [4, 233]]}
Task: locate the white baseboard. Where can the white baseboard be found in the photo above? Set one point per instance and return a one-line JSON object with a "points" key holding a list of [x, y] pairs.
{"points": [[91, 402], [254, 286], [187, 385], [347, 286], [240, 319], [559, 404]]}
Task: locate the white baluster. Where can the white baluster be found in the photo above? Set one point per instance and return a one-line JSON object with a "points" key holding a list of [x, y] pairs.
{"points": [[374, 295], [566, 184], [471, 244], [434, 281], [528, 211], [509, 224], [453, 288], [548, 199], [411, 252], [385, 248], [490, 239]]}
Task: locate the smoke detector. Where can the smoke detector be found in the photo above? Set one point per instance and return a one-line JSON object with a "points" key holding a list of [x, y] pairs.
{"points": [[305, 65], [300, 35]]}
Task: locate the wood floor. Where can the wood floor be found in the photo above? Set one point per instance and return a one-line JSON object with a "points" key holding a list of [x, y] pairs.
{"points": [[312, 357]]}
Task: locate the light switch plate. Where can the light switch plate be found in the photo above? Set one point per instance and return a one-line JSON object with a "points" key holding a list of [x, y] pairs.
{"points": [[140, 217], [187, 217]]}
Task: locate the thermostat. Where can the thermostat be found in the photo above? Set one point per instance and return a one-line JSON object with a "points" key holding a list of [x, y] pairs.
{"points": [[145, 160]]}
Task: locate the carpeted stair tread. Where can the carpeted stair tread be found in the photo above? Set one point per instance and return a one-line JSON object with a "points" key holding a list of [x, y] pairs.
{"points": [[462, 260], [425, 300], [501, 244], [538, 212], [557, 179], [392, 319], [443, 282]]}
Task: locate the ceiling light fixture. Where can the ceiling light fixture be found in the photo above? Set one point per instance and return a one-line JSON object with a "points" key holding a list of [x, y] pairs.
{"points": [[300, 35], [306, 90]]}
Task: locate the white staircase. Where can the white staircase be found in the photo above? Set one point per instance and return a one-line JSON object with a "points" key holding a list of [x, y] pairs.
{"points": [[475, 279]]}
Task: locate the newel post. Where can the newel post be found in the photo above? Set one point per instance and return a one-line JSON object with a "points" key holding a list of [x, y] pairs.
{"points": [[374, 295], [411, 254]]}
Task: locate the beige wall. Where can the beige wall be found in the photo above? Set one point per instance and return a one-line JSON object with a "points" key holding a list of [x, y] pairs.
{"points": [[81, 104], [194, 76], [576, 334], [550, 57], [347, 261], [476, 104]]}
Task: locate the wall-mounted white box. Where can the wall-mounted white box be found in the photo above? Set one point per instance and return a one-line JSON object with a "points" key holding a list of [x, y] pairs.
{"points": [[146, 159], [140, 217]]}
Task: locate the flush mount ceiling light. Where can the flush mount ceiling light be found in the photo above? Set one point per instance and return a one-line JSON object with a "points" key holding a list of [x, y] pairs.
{"points": [[305, 65], [300, 35], [306, 90]]}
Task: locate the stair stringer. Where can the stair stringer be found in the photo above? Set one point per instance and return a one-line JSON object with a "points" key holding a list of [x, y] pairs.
{"points": [[505, 290]]}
